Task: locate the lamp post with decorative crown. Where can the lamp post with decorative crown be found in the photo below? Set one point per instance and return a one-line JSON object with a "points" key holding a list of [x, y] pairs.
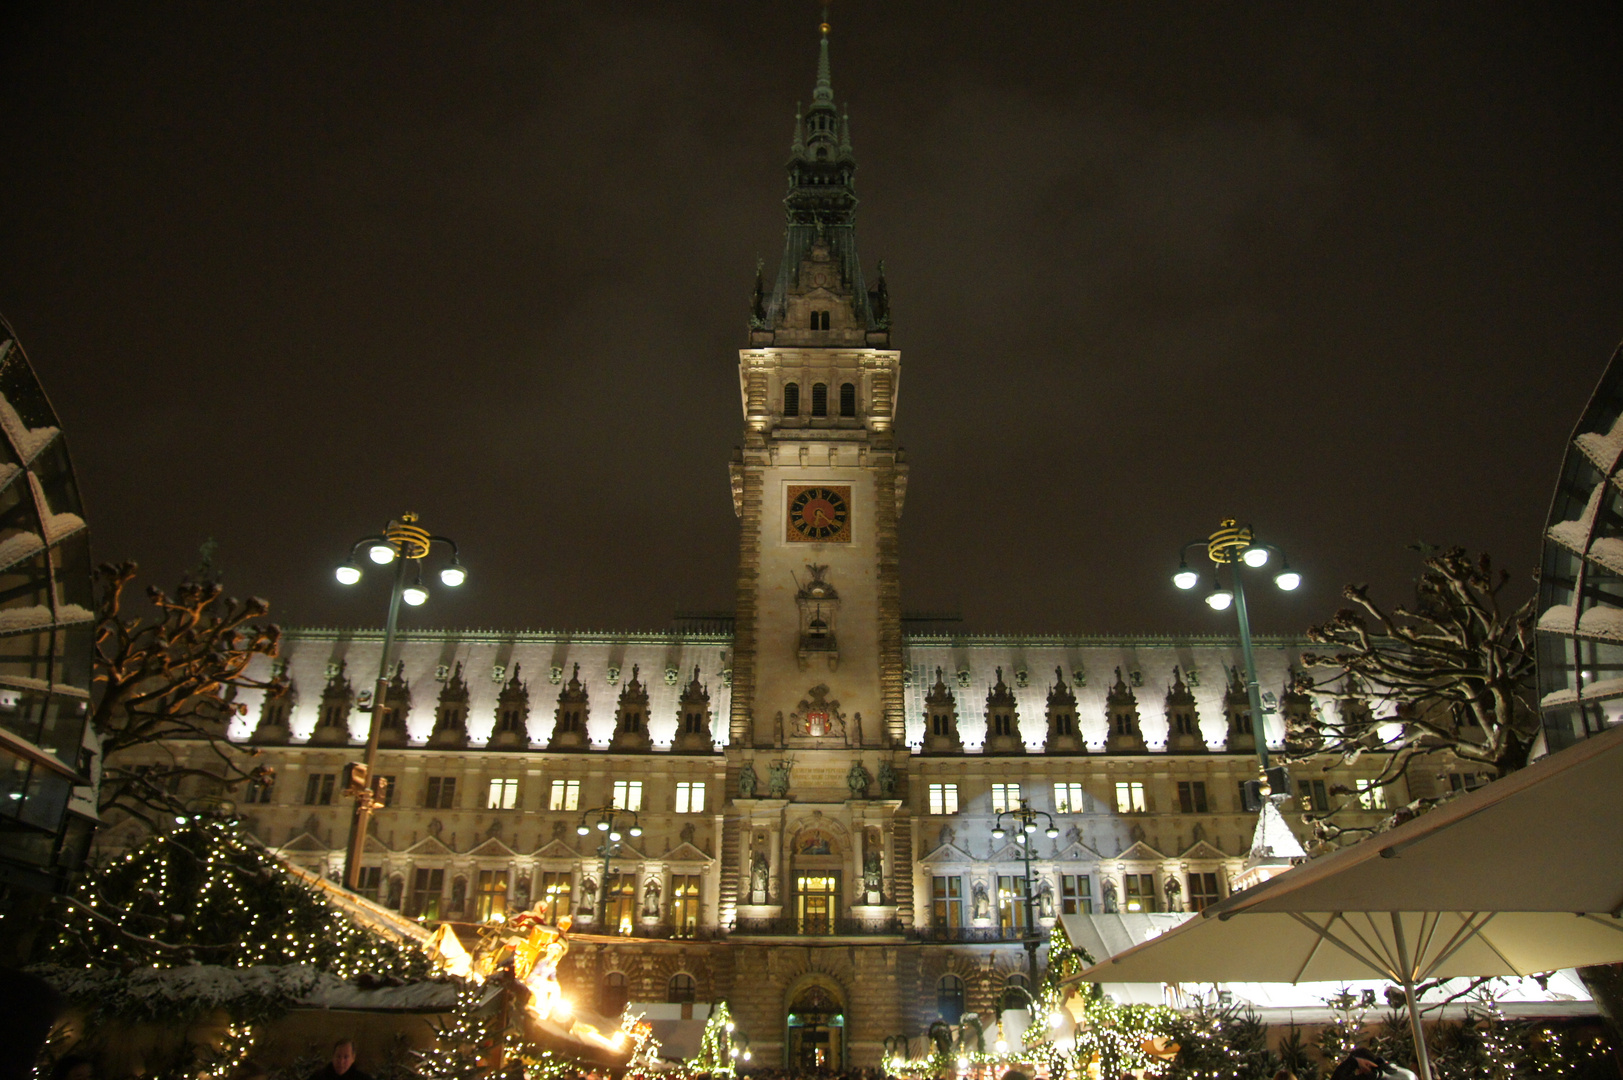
{"points": [[401, 542], [1236, 546], [1023, 819]]}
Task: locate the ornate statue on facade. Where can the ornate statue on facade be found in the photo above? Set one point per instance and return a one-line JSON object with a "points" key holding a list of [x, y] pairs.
{"points": [[887, 780], [650, 899], [688, 833], [949, 835], [856, 730], [777, 725], [1045, 899], [777, 780], [521, 893], [858, 780], [1073, 835], [1174, 892], [760, 877], [873, 872], [588, 897], [980, 904], [1110, 896], [747, 781]]}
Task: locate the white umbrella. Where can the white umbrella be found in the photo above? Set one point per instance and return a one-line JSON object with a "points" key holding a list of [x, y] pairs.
{"points": [[1520, 877]]}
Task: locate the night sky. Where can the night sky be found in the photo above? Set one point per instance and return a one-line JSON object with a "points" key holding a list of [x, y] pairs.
{"points": [[1347, 271]]}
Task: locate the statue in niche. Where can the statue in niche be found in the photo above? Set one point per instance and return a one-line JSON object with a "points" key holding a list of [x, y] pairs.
{"points": [[1110, 896], [873, 871], [887, 780], [777, 726], [558, 830], [1073, 835], [588, 897], [747, 781], [858, 780], [650, 899], [688, 833], [760, 875], [1174, 893], [777, 780], [1045, 899], [948, 836], [521, 893], [856, 729], [980, 904]]}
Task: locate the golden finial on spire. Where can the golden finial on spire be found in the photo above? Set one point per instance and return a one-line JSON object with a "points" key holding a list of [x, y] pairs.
{"points": [[825, 20]]}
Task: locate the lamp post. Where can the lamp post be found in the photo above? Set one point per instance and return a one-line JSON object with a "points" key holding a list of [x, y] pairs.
{"points": [[611, 822], [402, 542], [1024, 820], [1236, 546]]}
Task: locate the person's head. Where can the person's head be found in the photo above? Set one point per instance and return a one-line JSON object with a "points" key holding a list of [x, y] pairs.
{"points": [[343, 1056], [1358, 1063], [73, 1067]]}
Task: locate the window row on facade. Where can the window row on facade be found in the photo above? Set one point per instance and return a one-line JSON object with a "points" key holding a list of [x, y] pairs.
{"points": [[323, 788], [1130, 797]]}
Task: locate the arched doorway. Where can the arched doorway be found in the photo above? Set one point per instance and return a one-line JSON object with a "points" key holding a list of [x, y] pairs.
{"points": [[816, 1036]]}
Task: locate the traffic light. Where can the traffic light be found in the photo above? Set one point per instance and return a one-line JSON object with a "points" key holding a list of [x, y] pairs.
{"points": [[354, 780]]}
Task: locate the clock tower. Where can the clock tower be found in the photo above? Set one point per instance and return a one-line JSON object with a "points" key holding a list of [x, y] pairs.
{"points": [[818, 482]]}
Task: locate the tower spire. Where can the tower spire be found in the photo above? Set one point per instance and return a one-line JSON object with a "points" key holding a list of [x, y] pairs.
{"points": [[824, 94]]}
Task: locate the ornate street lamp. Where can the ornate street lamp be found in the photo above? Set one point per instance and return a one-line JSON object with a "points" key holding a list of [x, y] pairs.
{"points": [[404, 543], [1236, 546], [1023, 821], [614, 823]]}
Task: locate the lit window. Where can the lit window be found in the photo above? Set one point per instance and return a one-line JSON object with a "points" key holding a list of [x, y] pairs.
{"points": [[943, 798], [1011, 902], [947, 901], [685, 904], [1075, 894], [1005, 797], [565, 795], [1140, 893], [1372, 798], [689, 797], [492, 896], [503, 795], [1130, 797], [1069, 799], [628, 794], [556, 888]]}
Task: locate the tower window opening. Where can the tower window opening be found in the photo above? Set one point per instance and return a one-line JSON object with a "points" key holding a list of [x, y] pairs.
{"points": [[819, 320], [819, 399], [848, 399], [791, 399]]}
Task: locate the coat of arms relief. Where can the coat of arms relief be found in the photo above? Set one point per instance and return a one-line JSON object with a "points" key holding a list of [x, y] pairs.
{"points": [[816, 717]]}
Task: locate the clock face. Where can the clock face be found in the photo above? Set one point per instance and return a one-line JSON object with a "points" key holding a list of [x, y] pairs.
{"points": [[819, 515]]}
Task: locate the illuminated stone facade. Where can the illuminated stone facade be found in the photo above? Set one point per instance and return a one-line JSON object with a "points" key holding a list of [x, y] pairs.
{"points": [[817, 784]]}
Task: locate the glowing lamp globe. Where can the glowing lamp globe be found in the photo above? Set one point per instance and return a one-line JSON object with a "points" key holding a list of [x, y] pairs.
{"points": [[348, 574], [997, 833], [615, 835], [1289, 580], [583, 830], [1053, 833], [453, 575], [602, 826], [382, 554], [635, 830], [1255, 556], [415, 595], [1185, 578], [1001, 1046], [1220, 600]]}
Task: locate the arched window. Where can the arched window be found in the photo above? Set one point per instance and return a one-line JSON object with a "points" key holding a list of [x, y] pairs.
{"points": [[791, 399], [1016, 993], [848, 399], [940, 724], [949, 998], [680, 989], [616, 992], [819, 399]]}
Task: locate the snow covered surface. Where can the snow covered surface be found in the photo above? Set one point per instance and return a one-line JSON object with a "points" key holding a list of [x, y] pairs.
{"points": [[1603, 450], [1273, 838], [1601, 688], [18, 546], [28, 441]]}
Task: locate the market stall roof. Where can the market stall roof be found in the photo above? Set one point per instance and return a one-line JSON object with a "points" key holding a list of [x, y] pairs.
{"points": [[373, 916]]}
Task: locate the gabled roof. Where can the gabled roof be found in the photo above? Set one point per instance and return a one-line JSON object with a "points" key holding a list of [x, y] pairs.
{"points": [[305, 842], [686, 852], [1140, 852], [492, 848], [947, 853], [430, 845], [1200, 849]]}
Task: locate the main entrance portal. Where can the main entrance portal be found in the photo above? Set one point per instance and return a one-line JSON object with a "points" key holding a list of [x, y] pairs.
{"points": [[817, 902], [816, 1031]]}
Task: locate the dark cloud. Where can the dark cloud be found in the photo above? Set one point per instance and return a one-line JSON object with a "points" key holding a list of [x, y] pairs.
{"points": [[1346, 271]]}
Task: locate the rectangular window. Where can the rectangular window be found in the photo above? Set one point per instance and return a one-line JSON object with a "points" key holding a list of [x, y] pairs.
{"points": [[1069, 799], [943, 798], [492, 897], [441, 793], [1372, 798], [1141, 894], [1312, 795], [628, 794], [556, 889], [947, 901], [621, 897], [690, 797], [1130, 797], [1005, 797], [1075, 894], [565, 795], [318, 789], [371, 881], [387, 786], [685, 904], [1011, 903], [258, 792], [1202, 891], [1192, 796], [503, 795], [427, 886]]}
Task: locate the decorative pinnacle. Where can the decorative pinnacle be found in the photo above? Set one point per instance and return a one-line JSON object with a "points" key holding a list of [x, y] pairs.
{"points": [[824, 94]]}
